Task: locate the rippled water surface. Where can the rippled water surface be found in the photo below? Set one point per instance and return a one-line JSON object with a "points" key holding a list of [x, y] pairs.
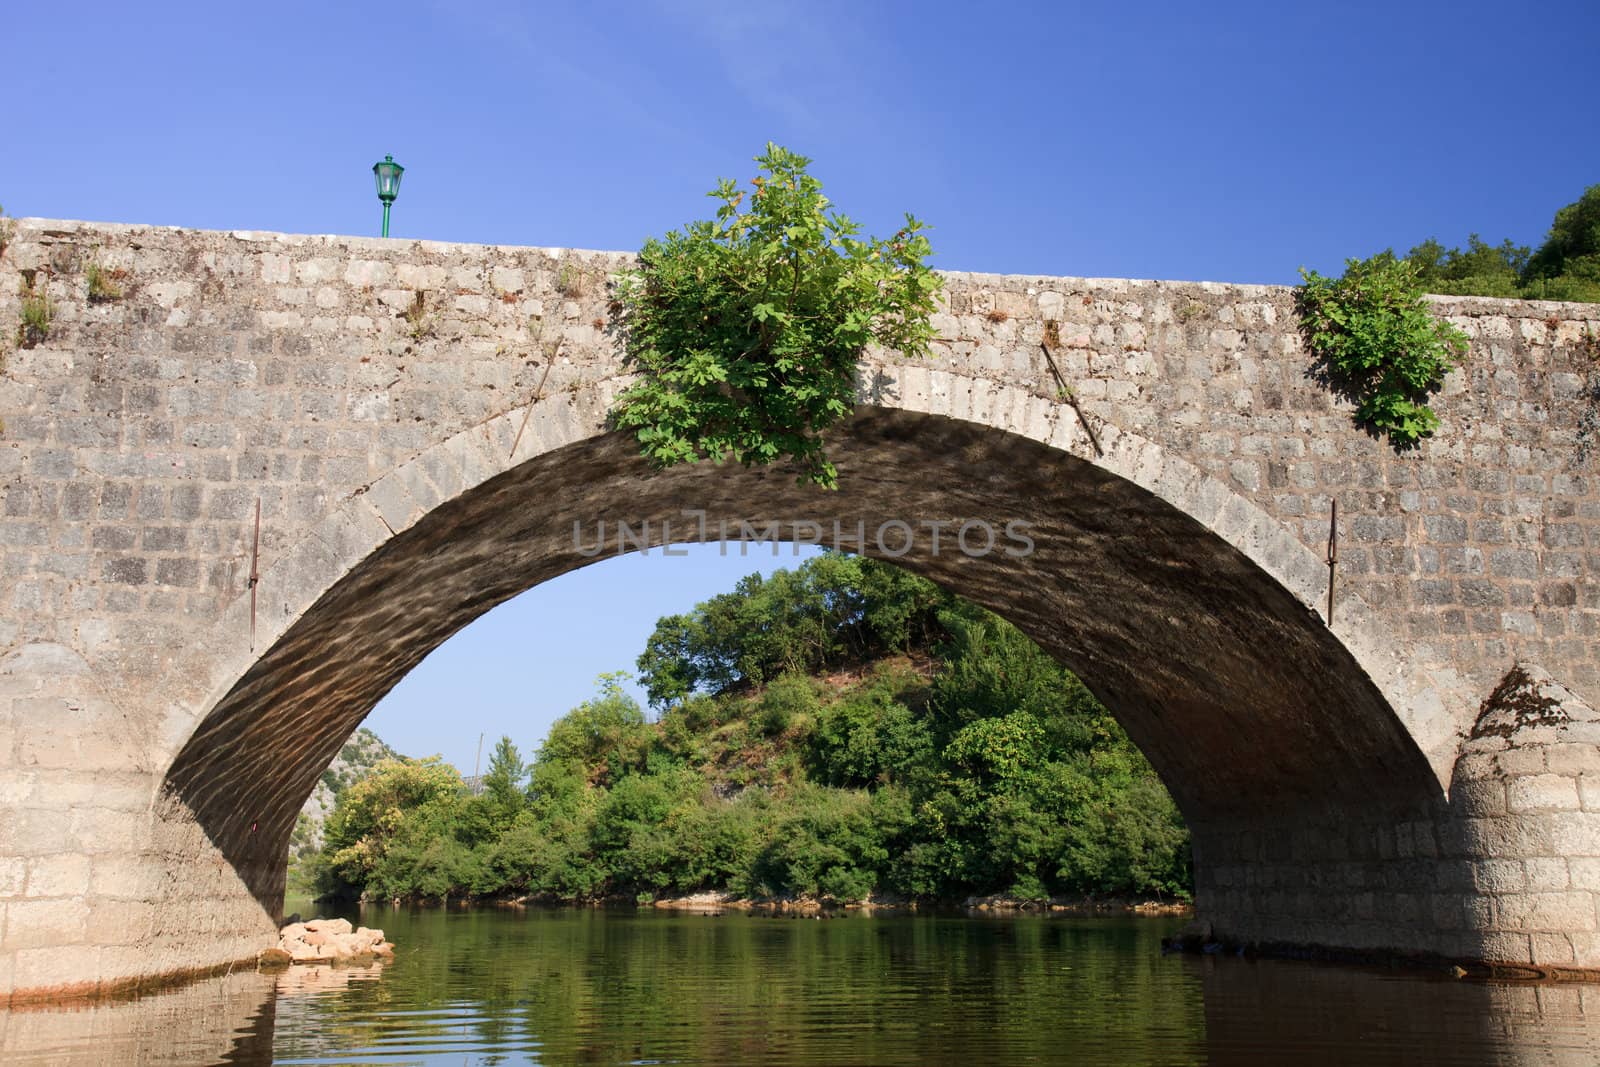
{"points": [[591, 987]]}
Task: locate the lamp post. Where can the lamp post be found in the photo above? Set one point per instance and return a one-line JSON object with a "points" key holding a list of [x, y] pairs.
{"points": [[387, 174]]}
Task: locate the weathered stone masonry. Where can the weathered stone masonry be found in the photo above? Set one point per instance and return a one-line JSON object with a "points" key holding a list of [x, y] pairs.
{"points": [[375, 397]]}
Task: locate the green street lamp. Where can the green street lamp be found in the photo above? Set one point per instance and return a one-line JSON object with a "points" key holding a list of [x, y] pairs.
{"points": [[388, 175]]}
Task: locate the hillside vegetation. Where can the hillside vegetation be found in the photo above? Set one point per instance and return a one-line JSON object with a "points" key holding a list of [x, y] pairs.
{"points": [[1565, 267], [837, 732]]}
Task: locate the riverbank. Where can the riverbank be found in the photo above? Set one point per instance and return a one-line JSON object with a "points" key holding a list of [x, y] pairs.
{"points": [[713, 902]]}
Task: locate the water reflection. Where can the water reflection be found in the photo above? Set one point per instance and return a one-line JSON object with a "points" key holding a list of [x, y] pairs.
{"points": [[227, 1019], [571, 987], [1255, 1011]]}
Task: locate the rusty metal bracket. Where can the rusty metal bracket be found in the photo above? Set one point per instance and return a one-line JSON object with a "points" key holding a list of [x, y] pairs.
{"points": [[1333, 553], [1072, 398], [538, 394], [255, 573]]}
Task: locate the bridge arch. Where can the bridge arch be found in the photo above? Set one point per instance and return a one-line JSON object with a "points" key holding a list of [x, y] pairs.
{"points": [[1190, 613]]}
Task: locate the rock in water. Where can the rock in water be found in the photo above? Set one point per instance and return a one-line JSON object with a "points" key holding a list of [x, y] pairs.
{"points": [[327, 941]]}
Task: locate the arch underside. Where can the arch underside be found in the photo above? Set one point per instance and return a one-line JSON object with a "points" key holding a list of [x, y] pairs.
{"points": [[1243, 700]]}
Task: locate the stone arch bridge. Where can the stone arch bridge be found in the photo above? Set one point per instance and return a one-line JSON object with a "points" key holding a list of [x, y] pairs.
{"points": [[423, 424]]}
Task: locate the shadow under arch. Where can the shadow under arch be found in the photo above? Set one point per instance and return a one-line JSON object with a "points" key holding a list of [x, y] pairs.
{"points": [[1263, 723]]}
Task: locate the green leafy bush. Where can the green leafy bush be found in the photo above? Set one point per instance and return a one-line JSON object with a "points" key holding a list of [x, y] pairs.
{"points": [[1378, 342], [747, 328], [789, 697]]}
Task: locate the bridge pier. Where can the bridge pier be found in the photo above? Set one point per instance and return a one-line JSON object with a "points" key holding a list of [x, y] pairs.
{"points": [[1506, 870]]}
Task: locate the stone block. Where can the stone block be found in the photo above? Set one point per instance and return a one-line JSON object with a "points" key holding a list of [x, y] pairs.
{"points": [[1541, 792], [1575, 833], [1547, 873], [121, 922], [33, 831], [54, 923], [1584, 872], [1520, 761], [1445, 529], [97, 830], [13, 873], [125, 876], [64, 875], [1499, 876], [1448, 913], [1553, 949], [1573, 910], [1573, 759], [67, 965]]}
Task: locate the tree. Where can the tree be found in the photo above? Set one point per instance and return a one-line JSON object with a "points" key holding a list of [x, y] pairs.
{"points": [[747, 328], [1481, 269], [609, 727], [1567, 265], [503, 783], [830, 610], [380, 821]]}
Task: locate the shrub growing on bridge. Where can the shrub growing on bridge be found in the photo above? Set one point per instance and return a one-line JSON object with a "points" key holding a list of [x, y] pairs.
{"points": [[1378, 342], [747, 328]]}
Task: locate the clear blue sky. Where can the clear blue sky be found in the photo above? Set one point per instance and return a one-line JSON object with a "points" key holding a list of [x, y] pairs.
{"points": [[1230, 142]]}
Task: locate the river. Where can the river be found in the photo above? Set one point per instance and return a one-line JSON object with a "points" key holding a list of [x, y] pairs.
{"points": [[489, 986]]}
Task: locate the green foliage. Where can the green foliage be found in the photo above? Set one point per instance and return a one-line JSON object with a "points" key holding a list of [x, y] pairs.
{"points": [[998, 750], [8, 231], [1478, 270], [503, 785], [747, 328], [830, 844], [1378, 342], [868, 736], [790, 697], [988, 769], [610, 728], [37, 313], [384, 831], [830, 611], [104, 284], [1565, 267]]}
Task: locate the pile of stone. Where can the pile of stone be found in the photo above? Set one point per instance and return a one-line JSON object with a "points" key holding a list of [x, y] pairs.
{"points": [[326, 941]]}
